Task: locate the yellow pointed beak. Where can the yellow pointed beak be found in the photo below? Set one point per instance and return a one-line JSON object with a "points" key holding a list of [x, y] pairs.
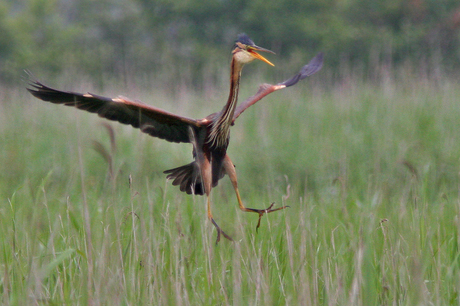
{"points": [[253, 49]]}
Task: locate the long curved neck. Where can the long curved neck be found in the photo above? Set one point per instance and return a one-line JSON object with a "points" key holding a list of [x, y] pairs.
{"points": [[229, 108], [221, 126]]}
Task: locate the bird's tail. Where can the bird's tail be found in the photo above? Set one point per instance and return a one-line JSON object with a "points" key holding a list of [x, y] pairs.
{"points": [[187, 177]]}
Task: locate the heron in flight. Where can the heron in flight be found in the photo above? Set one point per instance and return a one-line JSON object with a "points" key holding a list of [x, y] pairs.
{"points": [[209, 136]]}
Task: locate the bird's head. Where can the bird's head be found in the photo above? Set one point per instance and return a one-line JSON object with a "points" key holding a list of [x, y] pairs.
{"points": [[245, 50]]}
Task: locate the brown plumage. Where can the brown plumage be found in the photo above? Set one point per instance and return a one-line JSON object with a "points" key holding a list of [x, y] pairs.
{"points": [[209, 136]]}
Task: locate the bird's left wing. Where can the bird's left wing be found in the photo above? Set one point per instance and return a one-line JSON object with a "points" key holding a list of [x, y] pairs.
{"points": [[311, 68], [151, 120]]}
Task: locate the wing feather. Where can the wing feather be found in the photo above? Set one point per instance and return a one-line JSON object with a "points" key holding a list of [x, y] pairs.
{"points": [[151, 120], [311, 68]]}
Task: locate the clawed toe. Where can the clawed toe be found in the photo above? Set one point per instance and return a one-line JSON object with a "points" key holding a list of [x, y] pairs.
{"points": [[262, 212], [219, 232]]}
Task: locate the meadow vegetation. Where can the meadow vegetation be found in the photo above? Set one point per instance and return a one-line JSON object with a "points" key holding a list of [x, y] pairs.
{"points": [[369, 168]]}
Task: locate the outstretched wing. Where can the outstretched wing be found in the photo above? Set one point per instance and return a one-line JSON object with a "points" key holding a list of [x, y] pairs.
{"points": [[311, 68], [151, 120]]}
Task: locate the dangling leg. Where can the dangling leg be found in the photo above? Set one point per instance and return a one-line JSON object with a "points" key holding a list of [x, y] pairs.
{"points": [[230, 169], [206, 176], [219, 230]]}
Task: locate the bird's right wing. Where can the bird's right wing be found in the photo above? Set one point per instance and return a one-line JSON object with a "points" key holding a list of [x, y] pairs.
{"points": [[311, 68], [151, 120]]}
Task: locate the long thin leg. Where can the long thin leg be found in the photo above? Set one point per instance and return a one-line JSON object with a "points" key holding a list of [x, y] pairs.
{"points": [[230, 169], [206, 176]]}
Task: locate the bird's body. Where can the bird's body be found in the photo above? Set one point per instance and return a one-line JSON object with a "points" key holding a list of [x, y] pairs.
{"points": [[210, 136]]}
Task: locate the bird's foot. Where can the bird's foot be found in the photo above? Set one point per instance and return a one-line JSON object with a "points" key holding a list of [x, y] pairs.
{"points": [[262, 212], [219, 232]]}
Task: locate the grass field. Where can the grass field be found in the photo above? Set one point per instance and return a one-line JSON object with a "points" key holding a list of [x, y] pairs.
{"points": [[370, 172]]}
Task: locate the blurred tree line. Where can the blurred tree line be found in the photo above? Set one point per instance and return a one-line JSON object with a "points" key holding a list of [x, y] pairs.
{"points": [[185, 38]]}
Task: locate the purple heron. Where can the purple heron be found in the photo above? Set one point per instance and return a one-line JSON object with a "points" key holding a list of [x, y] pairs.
{"points": [[209, 136]]}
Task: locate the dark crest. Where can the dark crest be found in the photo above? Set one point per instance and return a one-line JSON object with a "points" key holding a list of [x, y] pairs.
{"points": [[244, 39]]}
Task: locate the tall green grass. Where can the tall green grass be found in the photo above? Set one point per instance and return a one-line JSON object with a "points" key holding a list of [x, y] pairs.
{"points": [[369, 170]]}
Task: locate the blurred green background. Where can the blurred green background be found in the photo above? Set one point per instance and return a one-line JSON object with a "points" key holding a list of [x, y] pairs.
{"points": [[365, 153], [136, 40]]}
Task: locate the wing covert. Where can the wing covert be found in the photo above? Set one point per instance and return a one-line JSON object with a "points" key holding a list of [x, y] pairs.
{"points": [[151, 120]]}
